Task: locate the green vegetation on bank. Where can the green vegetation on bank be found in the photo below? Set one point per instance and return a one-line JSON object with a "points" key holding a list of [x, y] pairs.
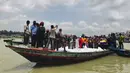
{"points": [[10, 34]]}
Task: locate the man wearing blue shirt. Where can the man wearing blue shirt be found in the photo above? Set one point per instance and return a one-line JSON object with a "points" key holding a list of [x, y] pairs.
{"points": [[33, 34]]}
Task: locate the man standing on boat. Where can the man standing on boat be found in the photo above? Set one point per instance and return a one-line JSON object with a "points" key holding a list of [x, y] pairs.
{"points": [[26, 32], [59, 40], [33, 34], [120, 40], [52, 36], [47, 33], [113, 40], [40, 35]]}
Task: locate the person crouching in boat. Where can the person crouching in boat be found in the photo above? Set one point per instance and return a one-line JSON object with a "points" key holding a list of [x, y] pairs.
{"points": [[90, 42], [120, 41], [69, 41], [82, 41], [103, 43], [33, 34], [26, 33], [96, 41], [74, 41], [52, 37], [40, 35]]}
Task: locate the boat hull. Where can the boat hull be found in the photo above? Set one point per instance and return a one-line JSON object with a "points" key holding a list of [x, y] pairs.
{"points": [[124, 53], [121, 52], [45, 56]]}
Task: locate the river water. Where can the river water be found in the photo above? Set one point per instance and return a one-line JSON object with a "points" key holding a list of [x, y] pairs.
{"points": [[11, 62]]}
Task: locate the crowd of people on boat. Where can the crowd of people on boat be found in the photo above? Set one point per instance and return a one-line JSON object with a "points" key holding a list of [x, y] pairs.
{"points": [[102, 41], [42, 37]]}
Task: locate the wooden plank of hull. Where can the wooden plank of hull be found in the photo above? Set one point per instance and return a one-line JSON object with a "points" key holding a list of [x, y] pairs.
{"points": [[49, 57], [56, 59]]}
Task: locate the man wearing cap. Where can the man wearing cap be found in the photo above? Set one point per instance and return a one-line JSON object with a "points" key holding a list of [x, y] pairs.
{"points": [[40, 35]]}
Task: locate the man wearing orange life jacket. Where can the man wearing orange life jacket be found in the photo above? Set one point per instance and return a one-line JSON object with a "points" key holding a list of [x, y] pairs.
{"points": [[82, 41], [85, 40]]}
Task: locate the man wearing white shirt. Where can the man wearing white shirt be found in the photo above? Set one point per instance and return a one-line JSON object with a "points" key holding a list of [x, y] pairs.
{"points": [[26, 32]]}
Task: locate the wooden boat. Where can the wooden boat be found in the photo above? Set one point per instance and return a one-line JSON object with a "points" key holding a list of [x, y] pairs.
{"points": [[52, 57], [121, 52]]}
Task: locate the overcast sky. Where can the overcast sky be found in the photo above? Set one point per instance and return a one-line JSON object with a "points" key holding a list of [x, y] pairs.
{"points": [[73, 16]]}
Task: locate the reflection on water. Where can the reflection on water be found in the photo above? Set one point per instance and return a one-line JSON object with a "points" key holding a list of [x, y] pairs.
{"points": [[24, 66], [11, 62]]}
